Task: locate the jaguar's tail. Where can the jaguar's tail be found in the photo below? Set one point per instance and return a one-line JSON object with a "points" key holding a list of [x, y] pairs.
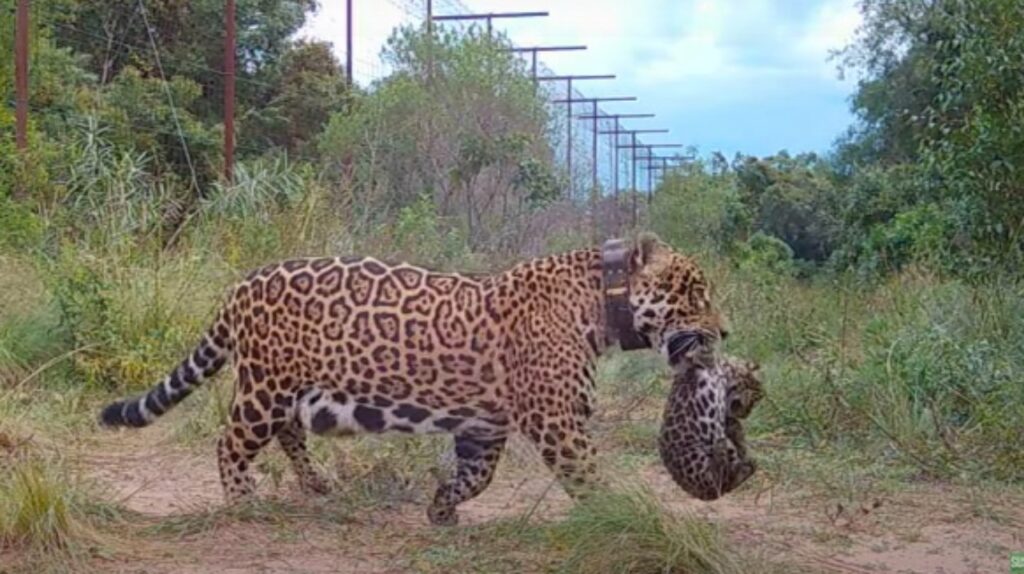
{"points": [[208, 358]]}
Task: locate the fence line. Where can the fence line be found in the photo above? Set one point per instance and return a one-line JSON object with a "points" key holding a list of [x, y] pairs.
{"points": [[370, 67]]}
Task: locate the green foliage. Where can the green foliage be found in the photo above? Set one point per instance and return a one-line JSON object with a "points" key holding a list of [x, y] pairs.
{"points": [[110, 191], [697, 210], [302, 90], [459, 118], [764, 252], [918, 370], [141, 117], [792, 199], [420, 235], [720, 207], [29, 333], [189, 36], [20, 226], [261, 187], [942, 104], [538, 180]]}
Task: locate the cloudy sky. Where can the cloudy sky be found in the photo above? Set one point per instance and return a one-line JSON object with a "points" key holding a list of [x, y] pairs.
{"points": [[729, 75]]}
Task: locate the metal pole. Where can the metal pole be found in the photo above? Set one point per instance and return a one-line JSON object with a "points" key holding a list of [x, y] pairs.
{"points": [[594, 196], [568, 147], [593, 145], [229, 90], [430, 41], [650, 190], [615, 179], [569, 101], [634, 180], [533, 53], [21, 76], [348, 41]]}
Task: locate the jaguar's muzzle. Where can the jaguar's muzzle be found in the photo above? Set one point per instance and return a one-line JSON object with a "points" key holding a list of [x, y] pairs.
{"points": [[683, 345]]}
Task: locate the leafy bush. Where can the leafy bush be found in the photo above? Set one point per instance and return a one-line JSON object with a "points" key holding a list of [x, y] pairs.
{"points": [[942, 99], [763, 251], [458, 119], [920, 370], [420, 234], [20, 227], [261, 188], [699, 211]]}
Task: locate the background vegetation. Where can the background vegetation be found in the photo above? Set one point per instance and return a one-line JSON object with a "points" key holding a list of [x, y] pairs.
{"points": [[879, 284]]}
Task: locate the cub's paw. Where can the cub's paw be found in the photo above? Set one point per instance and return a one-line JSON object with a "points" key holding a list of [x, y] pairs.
{"points": [[442, 516]]}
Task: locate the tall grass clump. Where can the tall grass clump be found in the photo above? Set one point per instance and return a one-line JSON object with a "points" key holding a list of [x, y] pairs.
{"points": [[134, 264], [30, 334], [919, 369], [46, 511], [943, 375], [34, 507], [630, 532]]}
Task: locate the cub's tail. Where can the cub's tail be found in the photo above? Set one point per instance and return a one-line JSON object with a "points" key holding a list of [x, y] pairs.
{"points": [[208, 358]]}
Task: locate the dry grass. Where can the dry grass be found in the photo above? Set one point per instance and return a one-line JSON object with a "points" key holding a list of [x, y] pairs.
{"points": [[630, 532], [50, 517]]}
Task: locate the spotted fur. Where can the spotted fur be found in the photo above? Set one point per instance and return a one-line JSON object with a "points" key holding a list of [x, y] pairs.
{"points": [[340, 346], [702, 442]]}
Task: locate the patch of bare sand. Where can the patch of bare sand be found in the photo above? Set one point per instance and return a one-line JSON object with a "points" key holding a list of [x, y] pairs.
{"points": [[929, 529], [148, 473]]}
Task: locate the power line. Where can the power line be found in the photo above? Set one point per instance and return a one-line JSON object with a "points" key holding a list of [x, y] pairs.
{"points": [[188, 65], [170, 97]]}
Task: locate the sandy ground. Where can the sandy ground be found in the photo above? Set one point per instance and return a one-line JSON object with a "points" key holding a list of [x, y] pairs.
{"points": [[927, 529]]}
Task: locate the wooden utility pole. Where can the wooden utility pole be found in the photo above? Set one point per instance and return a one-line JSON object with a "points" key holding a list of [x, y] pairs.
{"points": [[348, 41], [229, 91], [21, 87], [22, 76]]}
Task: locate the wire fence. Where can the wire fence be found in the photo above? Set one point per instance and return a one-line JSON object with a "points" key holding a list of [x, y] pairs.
{"points": [[572, 138], [615, 169]]}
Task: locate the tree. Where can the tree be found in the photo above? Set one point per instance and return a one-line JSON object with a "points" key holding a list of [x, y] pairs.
{"points": [[458, 119], [943, 95], [304, 87]]}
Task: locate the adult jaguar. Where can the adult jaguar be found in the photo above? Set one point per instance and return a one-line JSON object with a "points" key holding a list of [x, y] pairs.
{"points": [[338, 346]]}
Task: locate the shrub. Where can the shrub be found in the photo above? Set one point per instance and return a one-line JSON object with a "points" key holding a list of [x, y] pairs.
{"points": [[763, 251]]}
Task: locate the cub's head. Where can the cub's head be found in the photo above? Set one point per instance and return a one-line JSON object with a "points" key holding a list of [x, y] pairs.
{"points": [[671, 302], [743, 385]]}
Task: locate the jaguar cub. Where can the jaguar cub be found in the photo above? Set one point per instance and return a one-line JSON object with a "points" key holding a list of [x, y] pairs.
{"points": [[702, 442]]}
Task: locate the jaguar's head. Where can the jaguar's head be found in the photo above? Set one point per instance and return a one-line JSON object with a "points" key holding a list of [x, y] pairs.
{"points": [[672, 307]]}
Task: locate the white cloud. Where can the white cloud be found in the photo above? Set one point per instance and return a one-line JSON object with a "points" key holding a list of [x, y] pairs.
{"points": [[741, 43], [711, 61], [833, 26], [373, 23], [650, 41]]}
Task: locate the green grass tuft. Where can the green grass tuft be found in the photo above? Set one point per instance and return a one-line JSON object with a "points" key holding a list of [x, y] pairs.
{"points": [[630, 532], [46, 512]]}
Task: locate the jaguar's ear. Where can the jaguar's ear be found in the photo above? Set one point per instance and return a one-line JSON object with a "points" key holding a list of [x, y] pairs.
{"points": [[648, 247]]}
